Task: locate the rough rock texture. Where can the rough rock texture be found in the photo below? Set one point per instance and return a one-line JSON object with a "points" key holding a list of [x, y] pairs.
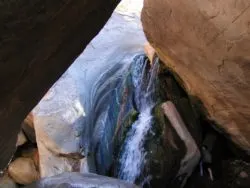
{"points": [[23, 171], [207, 43], [81, 180], [39, 40]]}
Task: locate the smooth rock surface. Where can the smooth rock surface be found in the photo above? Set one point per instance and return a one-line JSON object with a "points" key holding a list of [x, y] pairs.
{"points": [[207, 44], [73, 179], [23, 171], [58, 118]]}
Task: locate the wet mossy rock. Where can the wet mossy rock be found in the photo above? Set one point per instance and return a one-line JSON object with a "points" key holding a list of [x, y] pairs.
{"points": [[207, 44], [39, 40]]}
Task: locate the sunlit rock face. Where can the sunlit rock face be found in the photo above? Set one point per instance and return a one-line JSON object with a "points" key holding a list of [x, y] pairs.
{"points": [[207, 44]]}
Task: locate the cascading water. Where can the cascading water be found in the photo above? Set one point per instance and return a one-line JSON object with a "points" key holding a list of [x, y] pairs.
{"points": [[133, 154], [119, 90], [126, 133]]}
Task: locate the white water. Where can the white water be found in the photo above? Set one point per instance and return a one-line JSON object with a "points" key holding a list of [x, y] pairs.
{"points": [[132, 159]]}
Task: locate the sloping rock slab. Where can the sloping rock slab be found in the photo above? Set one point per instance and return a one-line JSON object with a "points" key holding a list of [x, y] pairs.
{"points": [[68, 180]]}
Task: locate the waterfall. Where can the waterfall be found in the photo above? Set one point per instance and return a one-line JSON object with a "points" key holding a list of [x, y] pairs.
{"points": [[133, 155]]}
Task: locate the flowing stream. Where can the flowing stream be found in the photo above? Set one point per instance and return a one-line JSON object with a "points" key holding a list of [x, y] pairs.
{"points": [[132, 157], [118, 92]]}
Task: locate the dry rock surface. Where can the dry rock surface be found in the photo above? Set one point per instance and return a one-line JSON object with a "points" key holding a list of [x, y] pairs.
{"points": [[207, 44], [23, 171]]}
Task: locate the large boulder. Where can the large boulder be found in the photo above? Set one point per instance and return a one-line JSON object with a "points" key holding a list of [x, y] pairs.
{"points": [[39, 40], [57, 119], [207, 44]]}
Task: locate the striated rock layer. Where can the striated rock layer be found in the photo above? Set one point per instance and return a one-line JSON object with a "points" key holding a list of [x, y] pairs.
{"points": [[207, 44], [39, 40]]}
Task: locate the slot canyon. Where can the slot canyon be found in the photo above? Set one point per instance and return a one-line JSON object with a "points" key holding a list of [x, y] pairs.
{"points": [[130, 93]]}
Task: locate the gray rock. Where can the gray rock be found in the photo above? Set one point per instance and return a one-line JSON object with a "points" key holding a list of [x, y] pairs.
{"points": [[77, 180], [21, 139], [58, 118], [7, 182]]}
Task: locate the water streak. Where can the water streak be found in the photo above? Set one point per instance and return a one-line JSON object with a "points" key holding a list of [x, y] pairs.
{"points": [[133, 155]]}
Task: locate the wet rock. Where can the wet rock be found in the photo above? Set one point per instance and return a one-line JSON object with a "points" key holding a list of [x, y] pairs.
{"points": [[7, 182], [192, 153], [23, 171], [230, 173], [81, 181], [21, 139], [203, 42], [172, 153]]}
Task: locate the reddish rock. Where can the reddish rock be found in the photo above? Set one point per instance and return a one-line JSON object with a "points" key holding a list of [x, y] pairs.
{"points": [[207, 44]]}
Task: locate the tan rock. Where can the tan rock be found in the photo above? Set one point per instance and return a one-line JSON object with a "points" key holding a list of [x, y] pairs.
{"points": [[21, 139], [7, 182], [23, 171], [150, 51], [207, 44], [29, 120], [28, 128], [33, 154]]}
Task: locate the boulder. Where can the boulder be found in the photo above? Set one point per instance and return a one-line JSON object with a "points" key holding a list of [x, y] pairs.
{"points": [[31, 153], [39, 40], [150, 51], [206, 43], [21, 139], [74, 179], [23, 171], [28, 128], [7, 182]]}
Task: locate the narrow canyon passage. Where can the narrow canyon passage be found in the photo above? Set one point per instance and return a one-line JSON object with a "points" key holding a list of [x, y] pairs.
{"points": [[122, 116]]}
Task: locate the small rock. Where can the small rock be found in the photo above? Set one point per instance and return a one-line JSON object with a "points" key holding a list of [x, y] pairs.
{"points": [[23, 171], [33, 154], [21, 139], [7, 182], [28, 128], [150, 52], [243, 174]]}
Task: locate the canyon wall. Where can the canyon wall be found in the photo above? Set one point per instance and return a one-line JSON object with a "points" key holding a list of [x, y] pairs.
{"points": [[38, 41]]}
